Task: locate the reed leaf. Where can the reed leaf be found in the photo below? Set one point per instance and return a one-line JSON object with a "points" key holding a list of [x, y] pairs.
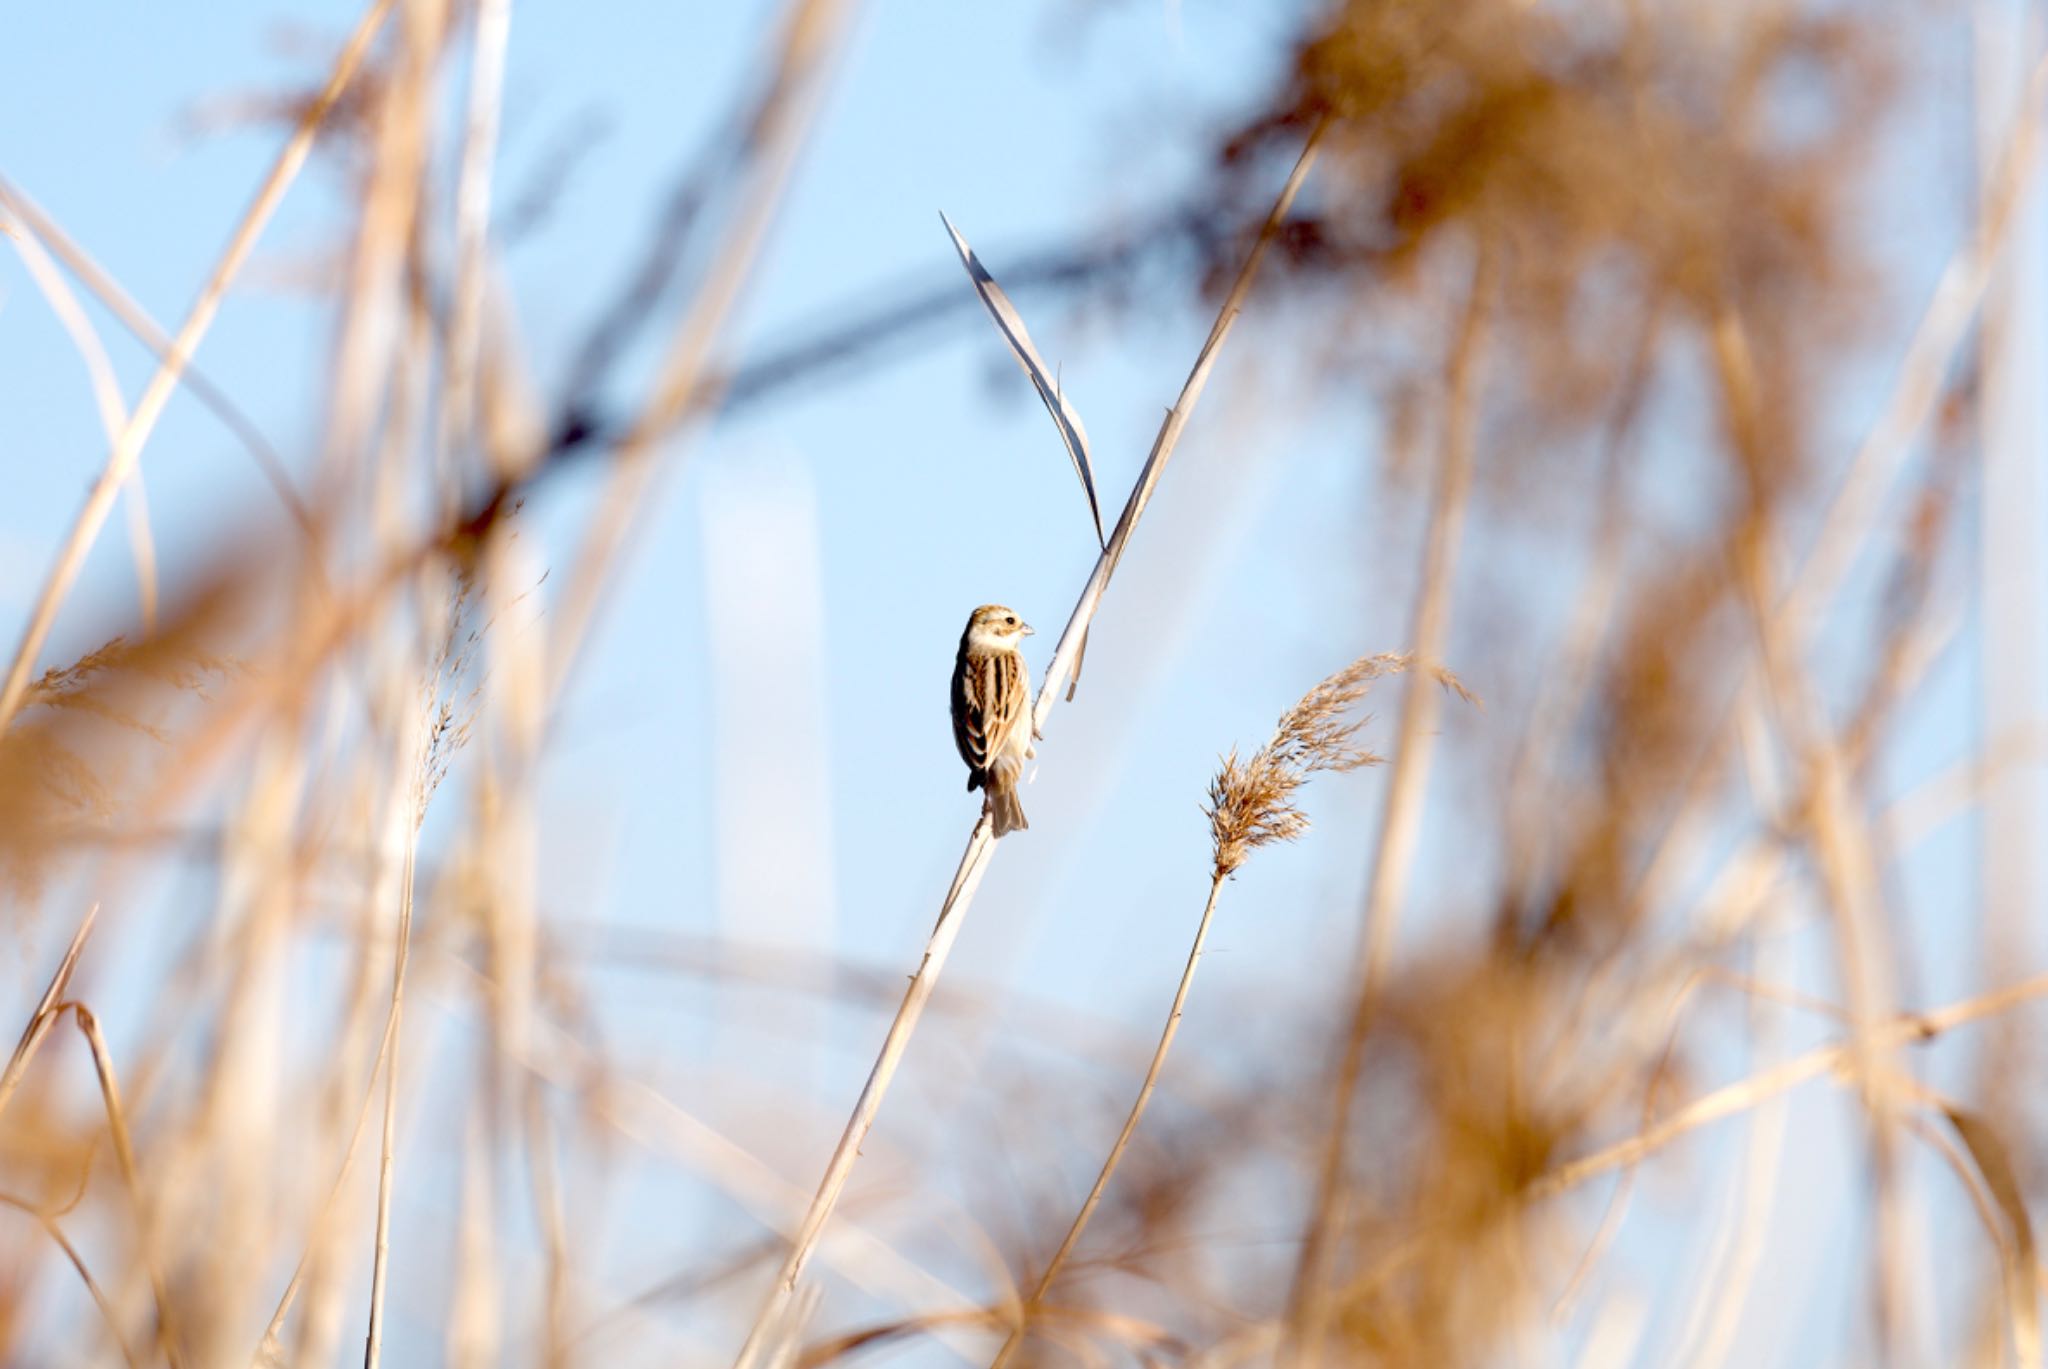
{"points": [[1011, 324]]}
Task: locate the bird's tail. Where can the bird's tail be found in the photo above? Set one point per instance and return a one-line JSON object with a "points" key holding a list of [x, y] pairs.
{"points": [[1005, 813]]}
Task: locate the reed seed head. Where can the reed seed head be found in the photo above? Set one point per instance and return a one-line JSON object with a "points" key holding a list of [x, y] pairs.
{"points": [[1251, 802]]}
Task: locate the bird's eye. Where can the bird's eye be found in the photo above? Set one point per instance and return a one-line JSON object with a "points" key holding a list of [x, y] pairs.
{"points": [[1011, 621]]}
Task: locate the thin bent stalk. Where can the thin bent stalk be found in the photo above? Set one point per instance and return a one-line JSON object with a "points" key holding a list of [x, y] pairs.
{"points": [[981, 844], [373, 1343], [92, 1285], [1115, 1157], [51, 237], [106, 390]]}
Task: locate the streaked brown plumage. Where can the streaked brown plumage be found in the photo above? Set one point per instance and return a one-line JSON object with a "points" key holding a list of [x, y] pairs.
{"points": [[992, 711]]}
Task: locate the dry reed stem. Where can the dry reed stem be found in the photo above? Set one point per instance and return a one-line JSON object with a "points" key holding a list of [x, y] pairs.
{"points": [[1035, 1303], [121, 461], [47, 1008], [124, 1152], [980, 844], [401, 953], [381, 1258], [777, 133], [509, 840], [343, 1108], [2005, 433], [1401, 819]]}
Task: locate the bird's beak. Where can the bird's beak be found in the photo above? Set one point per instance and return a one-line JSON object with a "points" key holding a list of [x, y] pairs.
{"points": [[1027, 630]]}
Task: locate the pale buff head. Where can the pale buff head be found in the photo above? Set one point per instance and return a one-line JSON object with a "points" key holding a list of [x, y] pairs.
{"points": [[995, 628]]}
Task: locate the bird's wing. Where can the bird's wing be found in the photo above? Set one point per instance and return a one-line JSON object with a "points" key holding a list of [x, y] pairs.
{"points": [[991, 699], [970, 731]]}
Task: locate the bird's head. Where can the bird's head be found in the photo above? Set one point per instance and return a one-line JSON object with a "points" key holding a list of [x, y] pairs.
{"points": [[995, 628]]}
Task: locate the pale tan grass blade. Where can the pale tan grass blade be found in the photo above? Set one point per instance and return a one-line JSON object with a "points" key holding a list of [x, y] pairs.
{"points": [[150, 334], [106, 393]]}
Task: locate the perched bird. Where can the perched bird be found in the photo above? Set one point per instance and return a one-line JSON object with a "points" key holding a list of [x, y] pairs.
{"points": [[992, 711]]}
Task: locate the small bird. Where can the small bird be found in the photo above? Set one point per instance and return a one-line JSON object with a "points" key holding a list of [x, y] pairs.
{"points": [[992, 711]]}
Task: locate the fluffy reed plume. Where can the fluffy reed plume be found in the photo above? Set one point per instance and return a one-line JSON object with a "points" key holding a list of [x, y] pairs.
{"points": [[1251, 802]]}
